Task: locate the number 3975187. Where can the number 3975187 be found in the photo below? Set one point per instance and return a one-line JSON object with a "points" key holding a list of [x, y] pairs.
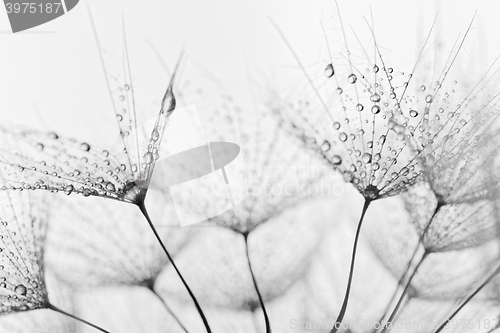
{"points": [[27, 7]]}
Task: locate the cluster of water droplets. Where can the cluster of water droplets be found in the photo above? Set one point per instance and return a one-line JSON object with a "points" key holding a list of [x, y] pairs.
{"points": [[23, 222], [31, 160], [354, 126]]}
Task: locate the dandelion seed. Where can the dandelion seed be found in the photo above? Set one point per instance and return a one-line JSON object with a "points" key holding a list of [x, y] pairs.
{"points": [[75, 255], [23, 226], [404, 137], [84, 167], [279, 175]]}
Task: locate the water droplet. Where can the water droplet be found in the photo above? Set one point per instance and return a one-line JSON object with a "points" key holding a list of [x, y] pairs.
{"points": [[375, 69], [68, 189], [110, 187], [359, 107], [155, 136], [352, 78], [423, 87], [381, 140], [148, 157], [119, 117], [367, 158], [375, 98], [325, 146], [339, 91], [329, 70], [375, 109], [85, 146], [390, 70], [168, 103], [53, 135], [343, 137], [463, 122], [20, 289], [127, 87], [375, 166], [336, 125], [392, 95], [428, 98], [413, 113], [39, 146], [336, 160]]}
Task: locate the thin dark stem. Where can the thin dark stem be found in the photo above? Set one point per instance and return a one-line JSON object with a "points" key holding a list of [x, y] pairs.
{"points": [[478, 289], [266, 318], [400, 282], [142, 207], [403, 294], [439, 205], [56, 309], [169, 310], [340, 317]]}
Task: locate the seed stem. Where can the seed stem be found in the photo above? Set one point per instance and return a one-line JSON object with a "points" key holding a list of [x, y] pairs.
{"points": [[478, 289], [341, 314], [266, 318], [403, 294], [400, 282], [142, 207], [56, 309], [169, 310]]}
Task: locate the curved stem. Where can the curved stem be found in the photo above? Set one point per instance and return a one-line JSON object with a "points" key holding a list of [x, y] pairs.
{"points": [[56, 309], [142, 207], [400, 282], [403, 294], [408, 266], [478, 289], [340, 317], [169, 310], [266, 318]]}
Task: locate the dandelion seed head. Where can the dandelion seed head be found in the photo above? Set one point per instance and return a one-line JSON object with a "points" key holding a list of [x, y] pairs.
{"points": [[23, 223]]}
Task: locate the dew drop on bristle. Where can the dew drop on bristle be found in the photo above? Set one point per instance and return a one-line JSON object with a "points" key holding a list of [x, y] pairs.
{"points": [[329, 72], [359, 107], [413, 113], [376, 69], [325, 146], [336, 160], [422, 87], [85, 146], [110, 187], [428, 98], [375, 98], [343, 137], [367, 158], [168, 103], [148, 157], [339, 91], [68, 189], [352, 78], [20, 289], [155, 136], [375, 109], [53, 135]]}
